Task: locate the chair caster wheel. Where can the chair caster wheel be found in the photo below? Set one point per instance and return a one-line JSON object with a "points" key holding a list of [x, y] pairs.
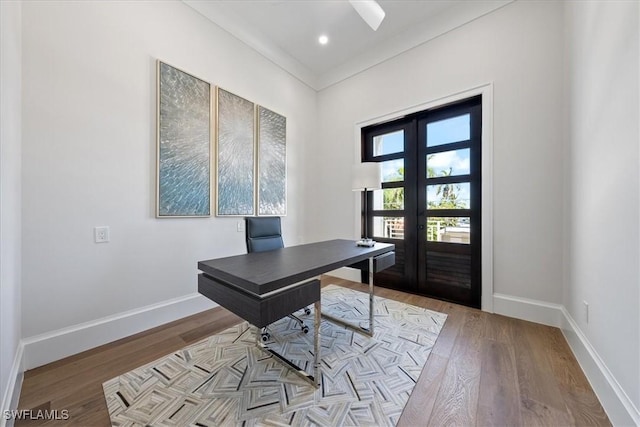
{"points": [[305, 329], [265, 337], [307, 311]]}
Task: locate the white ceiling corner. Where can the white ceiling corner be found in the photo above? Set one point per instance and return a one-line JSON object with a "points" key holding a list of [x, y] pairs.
{"points": [[286, 31]]}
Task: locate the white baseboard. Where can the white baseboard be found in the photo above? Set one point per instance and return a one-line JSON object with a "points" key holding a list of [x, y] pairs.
{"points": [[528, 309], [616, 403], [49, 347], [11, 394]]}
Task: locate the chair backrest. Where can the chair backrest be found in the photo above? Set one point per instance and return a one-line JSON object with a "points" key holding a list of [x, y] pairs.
{"points": [[263, 234]]}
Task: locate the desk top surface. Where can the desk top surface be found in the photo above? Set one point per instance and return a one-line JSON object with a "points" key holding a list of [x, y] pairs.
{"points": [[262, 272]]}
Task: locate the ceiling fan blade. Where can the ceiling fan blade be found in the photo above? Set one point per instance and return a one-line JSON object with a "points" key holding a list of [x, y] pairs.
{"points": [[370, 11]]}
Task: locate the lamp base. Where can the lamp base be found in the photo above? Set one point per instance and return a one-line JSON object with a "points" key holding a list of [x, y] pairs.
{"points": [[366, 242]]}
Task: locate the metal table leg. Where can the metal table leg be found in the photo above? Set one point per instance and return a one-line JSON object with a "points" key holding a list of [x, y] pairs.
{"points": [[317, 312], [314, 379], [366, 331], [371, 323]]}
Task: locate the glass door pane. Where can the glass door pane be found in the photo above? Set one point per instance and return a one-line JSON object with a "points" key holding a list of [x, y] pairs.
{"points": [[449, 196], [448, 163], [388, 227], [449, 230], [393, 170], [449, 130], [389, 199], [388, 143]]}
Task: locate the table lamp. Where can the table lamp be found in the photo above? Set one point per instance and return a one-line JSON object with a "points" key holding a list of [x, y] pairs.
{"points": [[365, 177]]}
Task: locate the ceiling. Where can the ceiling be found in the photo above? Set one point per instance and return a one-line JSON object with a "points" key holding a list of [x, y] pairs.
{"points": [[287, 31]]}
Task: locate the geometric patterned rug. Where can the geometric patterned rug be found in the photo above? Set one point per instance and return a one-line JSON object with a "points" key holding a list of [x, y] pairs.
{"points": [[225, 380]]}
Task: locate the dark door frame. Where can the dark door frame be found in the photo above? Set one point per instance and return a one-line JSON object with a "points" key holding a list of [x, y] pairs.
{"points": [[486, 90]]}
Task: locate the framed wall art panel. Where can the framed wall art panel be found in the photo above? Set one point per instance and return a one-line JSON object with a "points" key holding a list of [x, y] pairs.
{"points": [[272, 163], [184, 156], [235, 151]]}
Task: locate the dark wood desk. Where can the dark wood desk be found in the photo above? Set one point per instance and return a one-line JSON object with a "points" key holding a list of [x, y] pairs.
{"points": [[262, 287]]}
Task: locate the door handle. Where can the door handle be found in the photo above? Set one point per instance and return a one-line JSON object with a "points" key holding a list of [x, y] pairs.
{"points": [[421, 227]]}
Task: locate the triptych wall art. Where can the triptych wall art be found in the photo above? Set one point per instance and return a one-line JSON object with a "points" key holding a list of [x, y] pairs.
{"points": [[249, 158]]}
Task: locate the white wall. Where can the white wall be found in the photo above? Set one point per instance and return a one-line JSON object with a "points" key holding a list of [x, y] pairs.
{"points": [[10, 206], [602, 236], [89, 154], [518, 49]]}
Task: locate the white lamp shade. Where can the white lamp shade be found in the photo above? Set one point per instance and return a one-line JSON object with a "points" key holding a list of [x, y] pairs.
{"points": [[366, 176]]}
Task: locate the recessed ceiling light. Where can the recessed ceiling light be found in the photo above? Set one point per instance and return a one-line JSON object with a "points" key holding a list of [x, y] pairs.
{"points": [[323, 39]]}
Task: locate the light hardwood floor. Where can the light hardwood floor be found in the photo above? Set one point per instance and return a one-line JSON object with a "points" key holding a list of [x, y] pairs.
{"points": [[485, 370]]}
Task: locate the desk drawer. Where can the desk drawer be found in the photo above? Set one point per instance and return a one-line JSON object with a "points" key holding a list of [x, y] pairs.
{"points": [[384, 261], [381, 262], [259, 311]]}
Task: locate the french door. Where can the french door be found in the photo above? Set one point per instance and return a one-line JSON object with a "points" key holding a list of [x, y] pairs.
{"points": [[430, 202]]}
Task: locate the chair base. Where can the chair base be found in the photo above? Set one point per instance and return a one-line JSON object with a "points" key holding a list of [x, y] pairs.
{"points": [[266, 336]]}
